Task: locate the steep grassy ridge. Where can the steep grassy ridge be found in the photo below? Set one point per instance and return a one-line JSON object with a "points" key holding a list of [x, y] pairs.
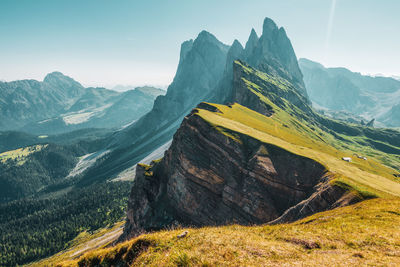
{"points": [[368, 177], [361, 234], [291, 109]]}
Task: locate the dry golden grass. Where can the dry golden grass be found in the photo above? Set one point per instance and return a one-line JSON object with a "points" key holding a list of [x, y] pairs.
{"points": [[365, 234]]}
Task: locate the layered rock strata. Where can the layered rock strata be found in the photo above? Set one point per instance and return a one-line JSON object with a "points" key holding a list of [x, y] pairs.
{"points": [[209, 177]]}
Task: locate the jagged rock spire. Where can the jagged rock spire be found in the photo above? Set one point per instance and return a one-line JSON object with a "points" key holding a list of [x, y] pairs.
{"points": [[273, 53], [269, 27], [252, 41], [235, 52]]}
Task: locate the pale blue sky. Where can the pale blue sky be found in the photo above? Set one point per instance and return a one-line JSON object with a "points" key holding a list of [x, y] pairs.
{"points": [[104, 42]]}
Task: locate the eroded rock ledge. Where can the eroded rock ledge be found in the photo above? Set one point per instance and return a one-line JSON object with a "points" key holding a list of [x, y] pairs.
{"points": [[209, 178]]}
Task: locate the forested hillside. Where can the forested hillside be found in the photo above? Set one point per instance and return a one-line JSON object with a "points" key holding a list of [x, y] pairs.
{"points": [[31, 229]]}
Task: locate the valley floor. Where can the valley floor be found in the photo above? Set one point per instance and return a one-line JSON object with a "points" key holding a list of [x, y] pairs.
{"points": [[364, 234]]}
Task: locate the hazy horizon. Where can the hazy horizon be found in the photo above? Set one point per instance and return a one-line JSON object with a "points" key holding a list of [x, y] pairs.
{"points": [[103, 43]]}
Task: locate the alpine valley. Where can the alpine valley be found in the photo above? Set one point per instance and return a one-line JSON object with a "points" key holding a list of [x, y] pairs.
{"points": [[232, 166]]}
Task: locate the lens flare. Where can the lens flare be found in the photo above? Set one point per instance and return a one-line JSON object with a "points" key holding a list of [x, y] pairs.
{"points": [[330, 26]]}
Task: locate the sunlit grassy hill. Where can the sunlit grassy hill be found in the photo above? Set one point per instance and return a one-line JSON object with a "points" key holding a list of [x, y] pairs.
{"points": [[368, 177], [365, 234], [362, 234]]}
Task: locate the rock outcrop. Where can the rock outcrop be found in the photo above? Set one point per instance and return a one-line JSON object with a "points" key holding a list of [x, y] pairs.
{"points": [[370, 123], [251, 43], [209, 178], [325, 197], [272, 53], [216, 175]]}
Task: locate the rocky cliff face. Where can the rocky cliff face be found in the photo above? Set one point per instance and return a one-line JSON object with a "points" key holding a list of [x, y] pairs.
{"points": [[215, 176], [209, 178]]}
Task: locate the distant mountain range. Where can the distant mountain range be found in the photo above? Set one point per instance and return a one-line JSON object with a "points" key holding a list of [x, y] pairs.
{"points": [[339, 89], [60, 104], [122, 88]]}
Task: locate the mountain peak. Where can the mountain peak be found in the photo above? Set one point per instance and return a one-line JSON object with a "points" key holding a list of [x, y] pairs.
{"points": [[273, 53], [54, 74], [60, 80], [253, 33], [304, 62], [235, 52], [269, 26], [205, 35], [205, 38], [57, 76], [252, 41], [236, 45], [253, 36]]}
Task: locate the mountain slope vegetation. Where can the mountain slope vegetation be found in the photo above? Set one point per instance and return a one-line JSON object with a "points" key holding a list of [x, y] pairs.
{"points": [[360, 234], [24, 172], [279, 163], [33, 228], [41, 207]]}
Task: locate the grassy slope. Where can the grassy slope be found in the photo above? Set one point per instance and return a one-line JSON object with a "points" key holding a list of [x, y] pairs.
{"points": [[362, 234], [299, 132], [367, 177], [309, 125]]}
